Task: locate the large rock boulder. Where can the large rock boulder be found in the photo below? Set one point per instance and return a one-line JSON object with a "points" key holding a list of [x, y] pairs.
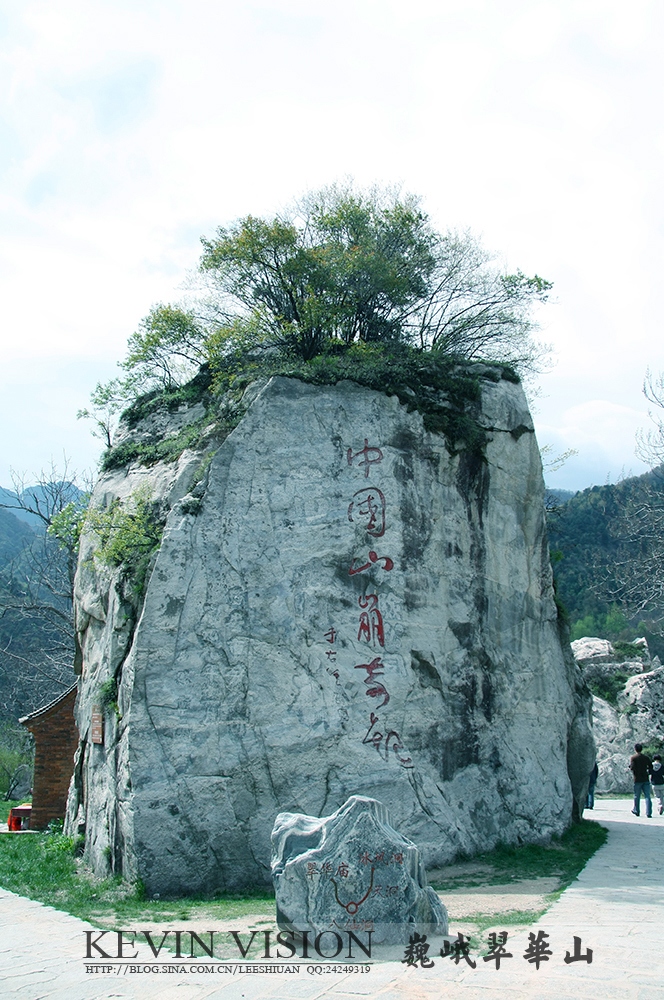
{"points": [[352, 871], [599, 661], [635, 713], [593, 650], [343, 603], [638, 718]]}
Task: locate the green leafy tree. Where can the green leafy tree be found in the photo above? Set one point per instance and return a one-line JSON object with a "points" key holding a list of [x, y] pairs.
{"points": [[106, 402], [474, 310], [166, 349], [345, 266], [340, 266], [342, 269]]}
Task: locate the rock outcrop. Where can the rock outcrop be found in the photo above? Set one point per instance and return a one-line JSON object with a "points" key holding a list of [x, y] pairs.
{"points": [[635, 712], [340, 605]]}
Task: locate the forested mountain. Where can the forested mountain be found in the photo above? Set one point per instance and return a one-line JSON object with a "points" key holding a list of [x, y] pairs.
{"points": [[14, 536], [606, 549], [36, 645]]}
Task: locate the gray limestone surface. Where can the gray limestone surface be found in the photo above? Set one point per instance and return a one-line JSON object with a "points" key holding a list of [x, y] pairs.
{"points": [[616, 908], [352, 871], [637, 716], [340, 605]]}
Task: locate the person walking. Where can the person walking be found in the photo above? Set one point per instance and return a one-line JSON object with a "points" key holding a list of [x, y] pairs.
{"points": [[657, 780], [641, 765], [594, 774]]}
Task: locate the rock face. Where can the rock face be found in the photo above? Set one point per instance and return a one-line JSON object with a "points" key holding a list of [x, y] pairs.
{"points": [[339, 606], [637, 716], [352, 872], [598, 660]]}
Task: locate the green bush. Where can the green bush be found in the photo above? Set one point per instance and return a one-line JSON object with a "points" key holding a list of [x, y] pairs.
{"points": [[629, 651], [609, 687], [129, 533]]}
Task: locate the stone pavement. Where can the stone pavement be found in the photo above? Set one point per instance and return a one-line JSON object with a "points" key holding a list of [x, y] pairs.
{"points": [[616, 908]]}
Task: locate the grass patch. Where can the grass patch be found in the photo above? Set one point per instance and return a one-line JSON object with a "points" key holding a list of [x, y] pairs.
{"points": [[43, 867], [446, 390], [514, 918], [562, 858]]}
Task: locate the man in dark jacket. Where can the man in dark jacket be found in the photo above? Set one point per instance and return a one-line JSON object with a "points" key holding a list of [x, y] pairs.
{"points": [[641, 767]]}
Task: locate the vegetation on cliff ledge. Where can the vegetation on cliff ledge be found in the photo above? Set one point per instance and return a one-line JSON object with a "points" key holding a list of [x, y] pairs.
{"points": [[444, 390], [346, 284]]}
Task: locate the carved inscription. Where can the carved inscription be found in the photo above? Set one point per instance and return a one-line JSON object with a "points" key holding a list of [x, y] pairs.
{"points": [[350, 883], [368, 509]]}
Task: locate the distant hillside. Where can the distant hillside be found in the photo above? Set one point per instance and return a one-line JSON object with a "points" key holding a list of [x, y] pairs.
{"points": [[24, 516], [586, 545], [36, 652], [14, 536], [560, 496]]}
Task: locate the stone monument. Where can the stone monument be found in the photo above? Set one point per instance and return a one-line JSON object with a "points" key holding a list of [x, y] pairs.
{"points": [[352, 871]]}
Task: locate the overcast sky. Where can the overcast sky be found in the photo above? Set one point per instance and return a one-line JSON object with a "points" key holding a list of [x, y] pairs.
{"points": [[129, 129]]}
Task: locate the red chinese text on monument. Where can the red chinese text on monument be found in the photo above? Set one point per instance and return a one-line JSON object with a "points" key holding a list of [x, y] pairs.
{"points": [[373, 559]]}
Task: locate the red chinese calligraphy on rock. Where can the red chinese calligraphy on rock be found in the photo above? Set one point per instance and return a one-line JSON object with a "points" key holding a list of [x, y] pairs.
{"points": [[371, 621], [373, 559], [353, 905], [384, 744], [368, 509], [371, 456], [375, 689]]}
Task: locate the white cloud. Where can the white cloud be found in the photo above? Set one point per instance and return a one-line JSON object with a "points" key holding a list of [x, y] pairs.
{"points": [[604, 435], [130, 129]]}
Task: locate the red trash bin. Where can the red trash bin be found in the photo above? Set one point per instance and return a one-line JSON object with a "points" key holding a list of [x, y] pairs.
{"points": [[19, 818]]}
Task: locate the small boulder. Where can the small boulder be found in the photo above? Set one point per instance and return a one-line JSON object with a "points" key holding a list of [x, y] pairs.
{"points": [[352, 871], [589, 648], [21, 783]]}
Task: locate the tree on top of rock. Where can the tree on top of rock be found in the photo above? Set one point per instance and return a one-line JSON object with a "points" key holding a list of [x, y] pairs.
{"points": [[344, 266], [341, 267]]}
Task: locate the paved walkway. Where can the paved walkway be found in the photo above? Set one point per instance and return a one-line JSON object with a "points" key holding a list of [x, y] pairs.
{"points": [[616, 908]]}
